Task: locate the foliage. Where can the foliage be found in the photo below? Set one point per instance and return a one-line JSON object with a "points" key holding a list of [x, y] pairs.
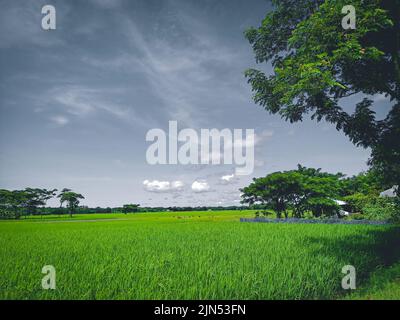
{"points": [[356, 202], [14, 204], [10, 204], [72, 199], [36, 197], [316, 64], [381, 209], [395, 217], [304, 189], [365, 183]]}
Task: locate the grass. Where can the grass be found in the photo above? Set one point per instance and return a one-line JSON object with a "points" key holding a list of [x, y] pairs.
{"points": [[384, 284], [194, 255]]}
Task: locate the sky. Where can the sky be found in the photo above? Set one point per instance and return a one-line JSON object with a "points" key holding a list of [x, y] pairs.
{"points": [[77, 102]]}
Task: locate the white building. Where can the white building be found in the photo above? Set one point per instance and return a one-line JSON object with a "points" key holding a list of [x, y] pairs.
{"points": [[341, 203], [391, 193]]}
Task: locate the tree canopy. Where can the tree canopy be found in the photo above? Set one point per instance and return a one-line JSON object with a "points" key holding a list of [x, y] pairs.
{"points": [[301, 190], [71, 198], [14, 204], [317, 64]]}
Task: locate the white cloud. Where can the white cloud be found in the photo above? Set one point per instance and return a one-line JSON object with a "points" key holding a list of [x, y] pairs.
{"points": [[75, 100], [60, 120], [163, 186], [229, 178], [200, 186], [80, 101], [85, 101], [177, 185]]}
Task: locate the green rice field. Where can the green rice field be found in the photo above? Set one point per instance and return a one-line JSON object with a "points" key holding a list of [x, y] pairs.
{"points": [[194, 255]]}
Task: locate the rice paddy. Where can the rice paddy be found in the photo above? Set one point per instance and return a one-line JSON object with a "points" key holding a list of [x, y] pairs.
{"points": [[188, 255]]}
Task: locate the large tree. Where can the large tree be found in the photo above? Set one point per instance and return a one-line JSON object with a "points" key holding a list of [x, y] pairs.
{"points": [[12, 203], [316, 64], [302, 190], [71, 198], [276, 190], [36, 197], [23, 202]]}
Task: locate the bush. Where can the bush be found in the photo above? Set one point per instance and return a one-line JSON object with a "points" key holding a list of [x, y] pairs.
{"points": [[395, 217], [357, 216], [381, 209], [374, 207]]}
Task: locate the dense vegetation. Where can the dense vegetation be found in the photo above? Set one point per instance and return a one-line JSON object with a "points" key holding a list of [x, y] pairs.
{"points": [[310, 191], [189, 255]]}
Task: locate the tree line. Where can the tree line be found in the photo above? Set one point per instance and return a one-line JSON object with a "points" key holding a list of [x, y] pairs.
{"points": [[15, 204], [30, 201]]}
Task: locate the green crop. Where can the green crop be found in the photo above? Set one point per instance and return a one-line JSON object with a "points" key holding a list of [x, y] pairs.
{"points": [[187, 255]]}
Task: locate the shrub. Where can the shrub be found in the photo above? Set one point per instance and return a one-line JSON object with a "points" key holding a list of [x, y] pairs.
{"points": [[380, 209], [357, 216], [395, 217]]}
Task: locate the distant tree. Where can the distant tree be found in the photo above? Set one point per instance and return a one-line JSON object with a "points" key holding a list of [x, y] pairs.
{"points": [[127, 208], [11, 204], [36, 197], [71, 198], [317, 63], [46, 195], [16, 203]]}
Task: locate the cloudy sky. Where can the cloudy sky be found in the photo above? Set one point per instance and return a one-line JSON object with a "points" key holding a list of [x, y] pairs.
{"points": [[76, 102]]}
